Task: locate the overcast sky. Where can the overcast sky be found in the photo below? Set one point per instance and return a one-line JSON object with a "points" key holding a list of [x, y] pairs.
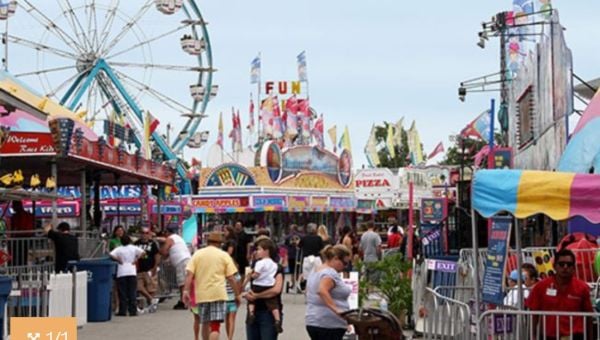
{"points": [[367, 61], [374, 61]]}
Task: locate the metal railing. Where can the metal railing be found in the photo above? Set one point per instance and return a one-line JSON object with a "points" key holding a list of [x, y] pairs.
{"points": [[541, 257], [520, 324], [41, 293]]}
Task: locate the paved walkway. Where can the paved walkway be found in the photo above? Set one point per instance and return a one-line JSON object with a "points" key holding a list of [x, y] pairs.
{"points": [[167, 323]]}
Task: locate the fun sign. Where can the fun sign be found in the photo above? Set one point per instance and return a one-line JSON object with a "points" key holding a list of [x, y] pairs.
{"points": [[283, 87]]}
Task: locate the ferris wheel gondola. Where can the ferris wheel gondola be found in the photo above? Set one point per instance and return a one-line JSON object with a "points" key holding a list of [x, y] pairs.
{"points": [[110, 58]]}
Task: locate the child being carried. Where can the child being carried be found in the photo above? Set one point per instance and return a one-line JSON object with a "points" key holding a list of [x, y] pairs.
{"points": [[263, 278]]}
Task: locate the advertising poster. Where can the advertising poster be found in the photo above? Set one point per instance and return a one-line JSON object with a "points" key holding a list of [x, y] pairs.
{"points": [[493, 276], [433, 209]]}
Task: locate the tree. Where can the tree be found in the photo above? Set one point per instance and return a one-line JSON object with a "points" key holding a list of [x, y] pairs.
{"points": [[471, 147], [400, 158]]}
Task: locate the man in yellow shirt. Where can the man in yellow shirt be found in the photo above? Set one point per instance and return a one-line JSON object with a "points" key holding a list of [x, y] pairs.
{"points": [[207, 271]]}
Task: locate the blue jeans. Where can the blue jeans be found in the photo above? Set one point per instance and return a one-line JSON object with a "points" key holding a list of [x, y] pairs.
{"points": [[263, 328]]}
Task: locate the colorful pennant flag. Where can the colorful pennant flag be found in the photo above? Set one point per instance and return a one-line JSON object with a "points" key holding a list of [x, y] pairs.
{"points": [[479, 127], [220, 130], [414, 145], [238, 131], [438, 149], [399, 127], [371, 149], [390, 142], [317, 132], [301, 59], [250, 126], [266, 109], [255, 70], [345, 140], [332, 132]]}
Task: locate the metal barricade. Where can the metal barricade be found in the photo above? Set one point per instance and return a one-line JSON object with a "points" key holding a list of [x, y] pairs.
{"points": [[519, 324], [429, 274], [37, 293], [167, 281], [540, 257], [444, 317]]}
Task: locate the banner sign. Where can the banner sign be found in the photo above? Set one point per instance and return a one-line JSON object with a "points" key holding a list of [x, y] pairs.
{"points": [[341, 203], [433, 209], [502, 158], [106, 191], [167, 209], [44, 209], [365, 204], [121, 208], [441, 266], [375, 183], [319, 202], [220, 202], [493, 276], [27, 143], [269, 200], [298, 202]]}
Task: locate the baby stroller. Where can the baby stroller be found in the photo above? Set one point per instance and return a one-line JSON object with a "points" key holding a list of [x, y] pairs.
{"points": [[370, 323]]}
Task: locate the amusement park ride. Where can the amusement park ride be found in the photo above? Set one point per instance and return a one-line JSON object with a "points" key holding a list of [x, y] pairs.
{"points": [[97, 58]]}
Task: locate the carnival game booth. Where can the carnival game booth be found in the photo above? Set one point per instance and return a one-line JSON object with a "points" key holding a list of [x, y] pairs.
{"points": [[43, 155], [298, 185], [518, 194]]}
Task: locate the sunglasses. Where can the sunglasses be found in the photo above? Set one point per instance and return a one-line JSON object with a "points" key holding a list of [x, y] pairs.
{"points": [[344, 262], [565, 264]]}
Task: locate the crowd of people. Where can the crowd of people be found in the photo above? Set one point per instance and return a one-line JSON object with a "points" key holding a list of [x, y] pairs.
{"points": [[233, 266]]}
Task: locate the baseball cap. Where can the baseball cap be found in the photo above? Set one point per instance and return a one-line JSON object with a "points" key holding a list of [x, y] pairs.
{"points": [[514, 275]]}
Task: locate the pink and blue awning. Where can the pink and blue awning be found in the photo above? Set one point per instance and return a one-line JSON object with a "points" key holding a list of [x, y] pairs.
{"points": [[524, 193]]}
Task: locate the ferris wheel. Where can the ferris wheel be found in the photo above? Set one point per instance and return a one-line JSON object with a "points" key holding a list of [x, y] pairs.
{"points": [[107, 58]]}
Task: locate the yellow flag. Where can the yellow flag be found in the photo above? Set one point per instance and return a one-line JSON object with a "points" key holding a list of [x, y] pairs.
{"points": [[398, 133], [390, 143], [371, 148], [332, 132], [414, 144], [345, 140]]}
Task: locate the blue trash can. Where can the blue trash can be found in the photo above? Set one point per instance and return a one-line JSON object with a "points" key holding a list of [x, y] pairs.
{"points": [[5, 288], [99, 287]]}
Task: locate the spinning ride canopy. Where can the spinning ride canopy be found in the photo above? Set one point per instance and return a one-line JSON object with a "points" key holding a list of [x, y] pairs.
{"points": [[524, 193]]}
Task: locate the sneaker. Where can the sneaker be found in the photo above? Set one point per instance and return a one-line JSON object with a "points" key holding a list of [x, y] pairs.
{"points": [[278, 327], [152, 308], [250, 319], [121, 314], [154, 301], [179, 305]]}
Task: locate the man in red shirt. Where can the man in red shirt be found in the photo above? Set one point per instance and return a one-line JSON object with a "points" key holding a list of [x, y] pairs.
{"points": [[562, 293]]}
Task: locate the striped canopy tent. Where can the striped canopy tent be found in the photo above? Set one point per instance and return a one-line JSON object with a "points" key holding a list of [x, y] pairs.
{"points": [[523, 193]]}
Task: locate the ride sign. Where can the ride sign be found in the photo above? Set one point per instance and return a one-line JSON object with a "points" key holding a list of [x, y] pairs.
{"points": [[493, 276]]}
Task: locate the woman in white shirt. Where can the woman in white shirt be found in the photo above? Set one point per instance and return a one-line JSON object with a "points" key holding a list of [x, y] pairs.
{"points": [[127, 255]]}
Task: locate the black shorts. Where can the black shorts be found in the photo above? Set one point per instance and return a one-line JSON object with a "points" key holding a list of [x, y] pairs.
{"points": [[271, 303]]}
